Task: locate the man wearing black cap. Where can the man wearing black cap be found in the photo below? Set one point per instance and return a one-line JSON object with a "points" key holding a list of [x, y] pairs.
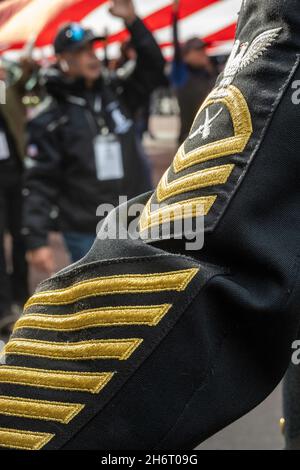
{"points": [[82, 150]]}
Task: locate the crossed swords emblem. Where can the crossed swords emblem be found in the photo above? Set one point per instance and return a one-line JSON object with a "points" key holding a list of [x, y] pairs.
{"points": [[205, 129], [242, 55]]}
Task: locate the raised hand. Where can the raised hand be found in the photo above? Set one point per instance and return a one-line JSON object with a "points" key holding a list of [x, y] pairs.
{"points": [[175, 6], [123, 9]]}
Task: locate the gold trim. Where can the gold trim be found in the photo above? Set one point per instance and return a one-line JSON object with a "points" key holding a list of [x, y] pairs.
{"points": [[55, 379], [38, 409], [23, 440], [234, 100], [121, 284], [180, 210], [120, 349], [108, 316], [201, 179]]}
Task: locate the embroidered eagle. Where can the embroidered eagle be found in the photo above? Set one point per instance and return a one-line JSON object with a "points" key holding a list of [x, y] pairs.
{"points": [[242, 54]]}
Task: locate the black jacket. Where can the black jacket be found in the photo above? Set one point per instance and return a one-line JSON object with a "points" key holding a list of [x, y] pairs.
{"points": [[152, 345], [61, 167]]}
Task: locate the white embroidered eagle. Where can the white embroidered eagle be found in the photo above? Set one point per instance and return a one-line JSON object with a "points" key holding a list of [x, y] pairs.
{"points": [[242, 54]]}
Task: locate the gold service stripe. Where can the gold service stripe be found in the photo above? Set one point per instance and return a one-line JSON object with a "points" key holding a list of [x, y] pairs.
{"points": [[38, 409], [107, 316], [23, 440], [55, 379], [120, 349], [121, 284]]}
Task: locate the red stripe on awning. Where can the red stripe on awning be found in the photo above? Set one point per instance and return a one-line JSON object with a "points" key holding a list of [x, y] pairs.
{"points": [[163, 17], [75, 12], [224, 35], [10, 8], [81, 8]]}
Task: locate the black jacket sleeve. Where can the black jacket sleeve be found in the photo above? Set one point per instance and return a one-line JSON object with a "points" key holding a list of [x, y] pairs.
{"points": [[41, 180], [149, 71]]}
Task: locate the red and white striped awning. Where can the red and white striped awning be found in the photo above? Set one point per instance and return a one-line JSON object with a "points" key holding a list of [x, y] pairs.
{"points": [[213, 20]]}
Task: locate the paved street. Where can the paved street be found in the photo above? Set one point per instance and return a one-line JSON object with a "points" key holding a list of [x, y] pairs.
{"points": [[259, 430]]}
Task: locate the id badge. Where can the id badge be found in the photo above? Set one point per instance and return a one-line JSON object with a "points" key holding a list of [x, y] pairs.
{"points": [[4, 149], [109, 159]]}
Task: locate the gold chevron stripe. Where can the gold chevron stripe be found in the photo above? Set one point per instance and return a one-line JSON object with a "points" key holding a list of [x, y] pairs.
{"points": [[38, 409], [23, 440], [201, 179], [234, 100], [54, 379], [120, 349], [110, 316], [121, 284], [181, 210]]}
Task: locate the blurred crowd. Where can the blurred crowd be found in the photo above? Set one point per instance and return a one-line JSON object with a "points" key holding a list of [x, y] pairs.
{"points": [[71, 138]]}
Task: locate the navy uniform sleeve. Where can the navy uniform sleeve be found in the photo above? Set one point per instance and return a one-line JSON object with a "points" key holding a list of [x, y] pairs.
{"points": [[148, 344]]}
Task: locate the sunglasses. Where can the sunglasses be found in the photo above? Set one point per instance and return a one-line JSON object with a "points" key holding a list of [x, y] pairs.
{"points": [[76, 33]]}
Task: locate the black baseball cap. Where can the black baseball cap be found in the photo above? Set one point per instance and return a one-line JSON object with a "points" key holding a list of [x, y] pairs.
{"points": [[73, 36], [193, 44]]}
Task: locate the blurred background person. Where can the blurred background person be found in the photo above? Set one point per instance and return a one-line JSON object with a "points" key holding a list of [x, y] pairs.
{"points": [[127, 60], [124, 68], [193, 75], [83, 149], [13, 274]]}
